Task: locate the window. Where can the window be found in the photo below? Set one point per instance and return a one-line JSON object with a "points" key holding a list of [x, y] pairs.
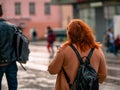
{"points": [[47, 8], [31, 8], [17, 8], [109, 12]]}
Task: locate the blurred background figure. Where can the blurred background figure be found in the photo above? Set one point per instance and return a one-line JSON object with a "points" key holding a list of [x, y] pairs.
{"points": [[117, 43], [111, 47], [51, 37], [106, 40], [33, 34]]}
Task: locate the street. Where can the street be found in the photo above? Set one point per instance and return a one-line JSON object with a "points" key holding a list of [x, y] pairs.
{"points": [[37, 78]]}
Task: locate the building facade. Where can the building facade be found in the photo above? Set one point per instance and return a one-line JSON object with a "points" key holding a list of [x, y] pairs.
{"points": [[99, 14], [28, 14]]}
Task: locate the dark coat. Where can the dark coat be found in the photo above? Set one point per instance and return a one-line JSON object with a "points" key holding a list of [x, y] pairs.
{"points": [[7, 51], [51, 38]]}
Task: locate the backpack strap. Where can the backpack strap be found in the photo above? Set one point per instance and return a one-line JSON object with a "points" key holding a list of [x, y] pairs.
{"points": [[79, 57], [66, 76], [77, 53], [89, 55]]}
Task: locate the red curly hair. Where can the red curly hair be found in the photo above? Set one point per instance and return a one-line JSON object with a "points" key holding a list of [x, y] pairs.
{"points": [[79, 33]]}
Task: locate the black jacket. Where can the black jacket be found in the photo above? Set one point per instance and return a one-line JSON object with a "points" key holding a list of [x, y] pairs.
{"points": [[7, 51]]}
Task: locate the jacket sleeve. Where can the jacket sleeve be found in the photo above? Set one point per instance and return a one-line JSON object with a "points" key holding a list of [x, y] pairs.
{"points": [[56, 65], [102, 71]]}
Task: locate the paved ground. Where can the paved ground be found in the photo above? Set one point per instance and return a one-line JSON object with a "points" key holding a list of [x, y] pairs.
{"points": [[37, 78]]}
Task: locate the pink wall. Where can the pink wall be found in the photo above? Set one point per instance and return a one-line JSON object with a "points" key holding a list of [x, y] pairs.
{"points": [[40, 21]]}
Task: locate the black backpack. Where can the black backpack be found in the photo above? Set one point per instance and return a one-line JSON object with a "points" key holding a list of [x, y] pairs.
{"points": [[21, 43], [86, 78]]}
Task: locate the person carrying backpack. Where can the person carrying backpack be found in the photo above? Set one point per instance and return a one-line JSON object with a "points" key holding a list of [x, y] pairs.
{"points": [[8, 64], [79, 63]]}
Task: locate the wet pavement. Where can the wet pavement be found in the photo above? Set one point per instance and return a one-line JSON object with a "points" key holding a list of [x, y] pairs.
{"points": [[33, 80], [37, 78]]}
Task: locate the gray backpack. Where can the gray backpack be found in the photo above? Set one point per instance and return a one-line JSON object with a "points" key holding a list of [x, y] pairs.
{"points": [[21, 46]]}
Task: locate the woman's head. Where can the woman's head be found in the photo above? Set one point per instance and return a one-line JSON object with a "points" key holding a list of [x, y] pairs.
{"points": [[79, 33]]}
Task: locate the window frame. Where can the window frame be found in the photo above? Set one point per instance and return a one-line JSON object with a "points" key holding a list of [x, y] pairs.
{"points": [[17, 8], [47, 7], [32, 9]]}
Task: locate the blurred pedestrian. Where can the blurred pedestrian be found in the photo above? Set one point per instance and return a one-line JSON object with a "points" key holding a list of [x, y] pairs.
{"points": [[111, 47], [34, 34], [7, 54], [81, 37], [106, 40], [117, 43], [50, 41]]}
